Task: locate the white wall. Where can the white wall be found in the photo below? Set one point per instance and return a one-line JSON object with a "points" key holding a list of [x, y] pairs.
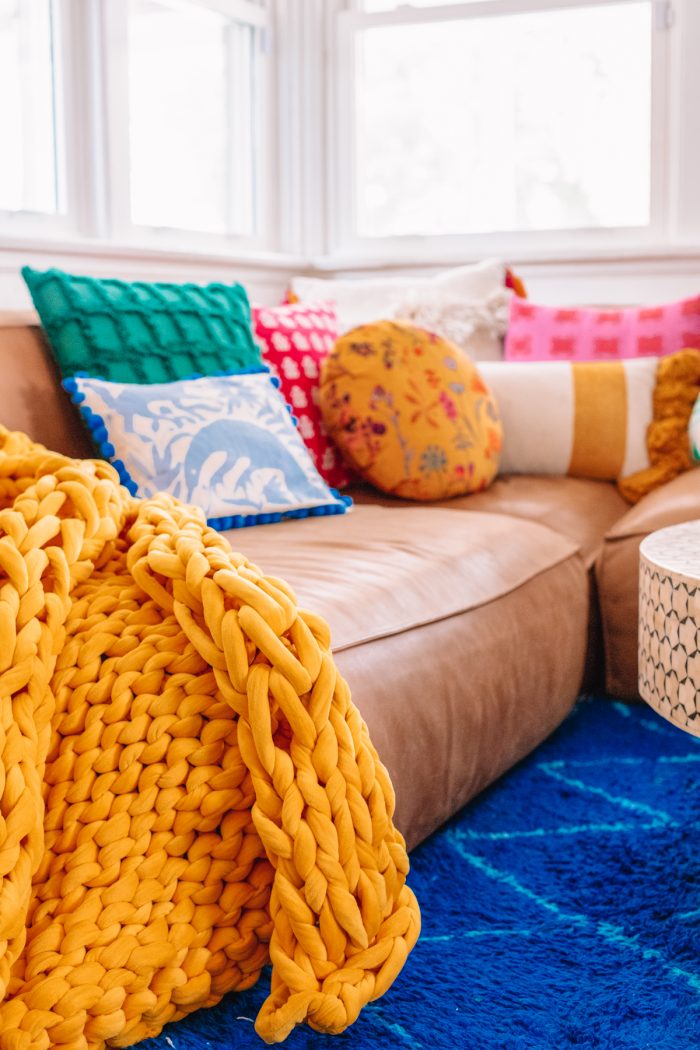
{"points": [[655, 279], [616, 280], [265, 277]]}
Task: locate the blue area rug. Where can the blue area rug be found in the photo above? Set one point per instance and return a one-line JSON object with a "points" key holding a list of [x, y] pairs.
{"points": [[560, 909]]}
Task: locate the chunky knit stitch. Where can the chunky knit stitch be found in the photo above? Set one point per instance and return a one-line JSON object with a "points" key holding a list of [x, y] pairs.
{"points": [[186, 789]]}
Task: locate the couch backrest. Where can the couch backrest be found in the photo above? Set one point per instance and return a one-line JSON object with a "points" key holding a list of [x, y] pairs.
{"points": [[31, 397]]}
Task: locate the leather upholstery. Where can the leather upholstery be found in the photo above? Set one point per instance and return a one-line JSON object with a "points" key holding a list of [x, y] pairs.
{"points": [[617, 572], [378, 571], [32, 399], [578, 508], [442, 623], [451, 706], [463, 627]]}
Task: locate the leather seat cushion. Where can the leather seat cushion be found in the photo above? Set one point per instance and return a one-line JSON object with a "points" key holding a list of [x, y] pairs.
{"points": [[443, 626], [578, 508], [378, 571], [454, 704]]}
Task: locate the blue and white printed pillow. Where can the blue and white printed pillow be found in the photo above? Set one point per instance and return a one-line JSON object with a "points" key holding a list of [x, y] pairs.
{"points": [[225, 443]]}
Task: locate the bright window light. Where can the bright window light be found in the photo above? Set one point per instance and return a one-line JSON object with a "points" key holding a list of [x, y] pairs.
{"points": [[29, 179], [392, 5], [518, 122], [192, 108]]}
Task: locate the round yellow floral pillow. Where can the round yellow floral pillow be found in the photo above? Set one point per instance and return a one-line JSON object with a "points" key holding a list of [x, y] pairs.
{"points": [[410, 412]]}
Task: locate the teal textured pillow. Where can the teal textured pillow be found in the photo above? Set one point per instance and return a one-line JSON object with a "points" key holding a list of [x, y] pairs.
{"points": [[139, 332]]}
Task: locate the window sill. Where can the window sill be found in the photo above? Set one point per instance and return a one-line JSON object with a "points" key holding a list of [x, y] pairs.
{"points": [[643, 274], [332, 264], [264, 274], [583, 274], [597, 256], [148, 252]]}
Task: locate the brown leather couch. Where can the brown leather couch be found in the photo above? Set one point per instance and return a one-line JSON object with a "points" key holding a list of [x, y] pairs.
{"points": [[467, 628]]}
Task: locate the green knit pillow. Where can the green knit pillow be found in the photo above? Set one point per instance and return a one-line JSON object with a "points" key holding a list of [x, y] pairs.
{"points": [[139, 332]]}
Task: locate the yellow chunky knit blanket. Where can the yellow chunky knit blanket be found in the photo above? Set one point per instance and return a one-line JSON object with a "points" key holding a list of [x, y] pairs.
{"points": [[186, 789]]}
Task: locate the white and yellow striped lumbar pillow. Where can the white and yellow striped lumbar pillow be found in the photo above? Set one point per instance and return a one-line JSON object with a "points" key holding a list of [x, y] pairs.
{"points": [[586, 418]]}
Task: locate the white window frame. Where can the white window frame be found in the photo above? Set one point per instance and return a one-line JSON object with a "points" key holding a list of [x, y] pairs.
{"points": [[114, 14], [93, 137], [17, 222], [666, 208], [304, 185]]}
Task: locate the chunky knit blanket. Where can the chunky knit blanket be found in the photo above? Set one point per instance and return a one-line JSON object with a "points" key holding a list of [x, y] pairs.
{"points": [[186, 789]]}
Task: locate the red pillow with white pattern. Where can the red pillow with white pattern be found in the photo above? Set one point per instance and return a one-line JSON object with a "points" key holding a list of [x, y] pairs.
{"points": [[294, 340], [546, 333]]}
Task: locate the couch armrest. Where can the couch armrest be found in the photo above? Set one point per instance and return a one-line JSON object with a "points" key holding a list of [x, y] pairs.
{"points": [[617, 574], [671, 504]]}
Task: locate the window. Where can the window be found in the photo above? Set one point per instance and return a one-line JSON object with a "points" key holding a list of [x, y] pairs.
{"points": [[391, 5], [30, 175], [343, 131], [157, 106], [193, 114], [509, 116]]}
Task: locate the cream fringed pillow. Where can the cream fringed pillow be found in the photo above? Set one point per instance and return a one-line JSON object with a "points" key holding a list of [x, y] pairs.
{"points": [[360, 301], [591, 419], [477, 327]]}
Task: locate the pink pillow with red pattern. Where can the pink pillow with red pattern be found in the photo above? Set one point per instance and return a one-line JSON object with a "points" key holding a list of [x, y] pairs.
{"points": [[294, 340], [546, 333]]}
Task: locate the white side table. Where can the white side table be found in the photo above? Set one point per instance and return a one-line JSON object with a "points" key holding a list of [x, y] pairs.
{"points": [[669, 624]]}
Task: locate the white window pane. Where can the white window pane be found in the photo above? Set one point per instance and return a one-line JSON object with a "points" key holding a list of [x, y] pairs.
{"points": [[28, 168], [192, 119], [538, 121]]}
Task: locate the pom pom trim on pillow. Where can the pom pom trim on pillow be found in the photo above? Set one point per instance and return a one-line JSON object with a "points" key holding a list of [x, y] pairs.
{"points": [[100, 436]]}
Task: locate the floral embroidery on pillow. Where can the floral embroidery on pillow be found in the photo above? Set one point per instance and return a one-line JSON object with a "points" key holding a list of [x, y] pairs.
{"points": [[411, 412], [224, 443]]}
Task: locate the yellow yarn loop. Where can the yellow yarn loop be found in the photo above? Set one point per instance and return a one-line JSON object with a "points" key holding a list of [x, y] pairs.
{"points": [[186, 789]]}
